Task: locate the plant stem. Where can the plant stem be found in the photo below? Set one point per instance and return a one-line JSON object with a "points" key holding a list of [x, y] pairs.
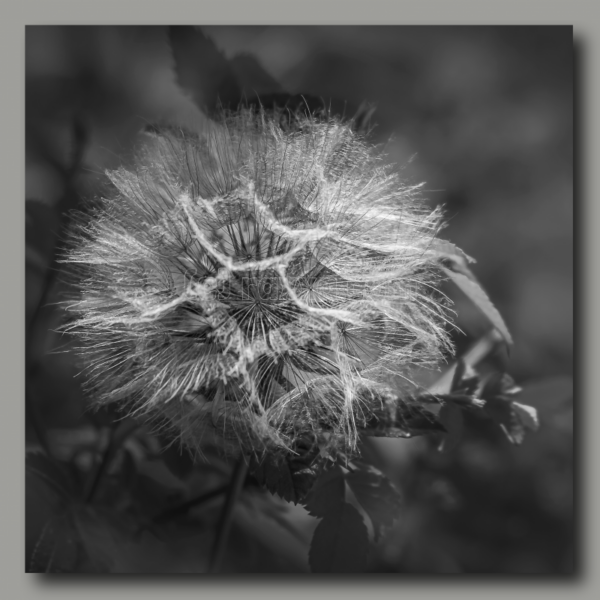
{"points": [[226, 518], [118, 436]]}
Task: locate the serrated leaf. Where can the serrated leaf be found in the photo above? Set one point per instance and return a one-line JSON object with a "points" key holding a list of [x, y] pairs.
{"points": [[264, 507], [278, 480], [340, 543], [471, 287], [448, 251], [202, 70], [289, 478], [377, 495], [328, 492], [303, 483]]}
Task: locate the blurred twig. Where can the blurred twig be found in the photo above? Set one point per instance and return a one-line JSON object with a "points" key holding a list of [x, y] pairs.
{"points": [[225, 520], [118, 436]]}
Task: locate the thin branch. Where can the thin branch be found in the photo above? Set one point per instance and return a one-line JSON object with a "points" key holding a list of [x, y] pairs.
{"points": [[118, 436], [225, 520]]}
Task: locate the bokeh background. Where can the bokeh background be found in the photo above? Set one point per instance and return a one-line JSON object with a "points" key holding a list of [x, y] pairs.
{"points": [[483, 116]]}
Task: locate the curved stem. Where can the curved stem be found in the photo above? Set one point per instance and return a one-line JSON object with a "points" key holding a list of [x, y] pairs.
{"points": [[226, 518]]}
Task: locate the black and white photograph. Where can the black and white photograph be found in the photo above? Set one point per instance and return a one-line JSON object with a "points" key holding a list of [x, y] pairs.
{"points": [[299, 299]]}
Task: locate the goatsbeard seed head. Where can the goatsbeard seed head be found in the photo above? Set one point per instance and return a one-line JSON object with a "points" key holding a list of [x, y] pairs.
{"points": [[257, 284]]}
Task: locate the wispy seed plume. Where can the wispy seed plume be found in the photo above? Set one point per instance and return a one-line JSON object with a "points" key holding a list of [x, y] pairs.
{"points": [[257, 284]]}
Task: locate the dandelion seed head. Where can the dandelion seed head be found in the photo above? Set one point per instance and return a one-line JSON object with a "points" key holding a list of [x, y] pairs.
{"points": [[255, 284]]}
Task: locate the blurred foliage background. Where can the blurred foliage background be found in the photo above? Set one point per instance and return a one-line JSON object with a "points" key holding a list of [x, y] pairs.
{"points": [[483, 115]]}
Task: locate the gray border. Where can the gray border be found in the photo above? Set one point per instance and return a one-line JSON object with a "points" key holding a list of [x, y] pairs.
{"points": [[14, 583]]}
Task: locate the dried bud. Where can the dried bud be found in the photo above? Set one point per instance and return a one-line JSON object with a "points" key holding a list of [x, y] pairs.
{"points": [[258, 284]]}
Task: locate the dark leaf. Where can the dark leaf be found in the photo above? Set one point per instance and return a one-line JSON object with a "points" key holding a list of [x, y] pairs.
{"points": [[463, 394], [253, 79], [452, 418], [328, 493], [290, 477], [377, 495], [303, 483], [471, 287], [277, 478], [340, 543], [279, 513], [464, 380], [500, 385], [513, 418], [500, 411], [202, 70]]}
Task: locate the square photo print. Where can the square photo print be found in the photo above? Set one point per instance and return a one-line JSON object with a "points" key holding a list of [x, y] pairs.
{"points": [[299, 299]]}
